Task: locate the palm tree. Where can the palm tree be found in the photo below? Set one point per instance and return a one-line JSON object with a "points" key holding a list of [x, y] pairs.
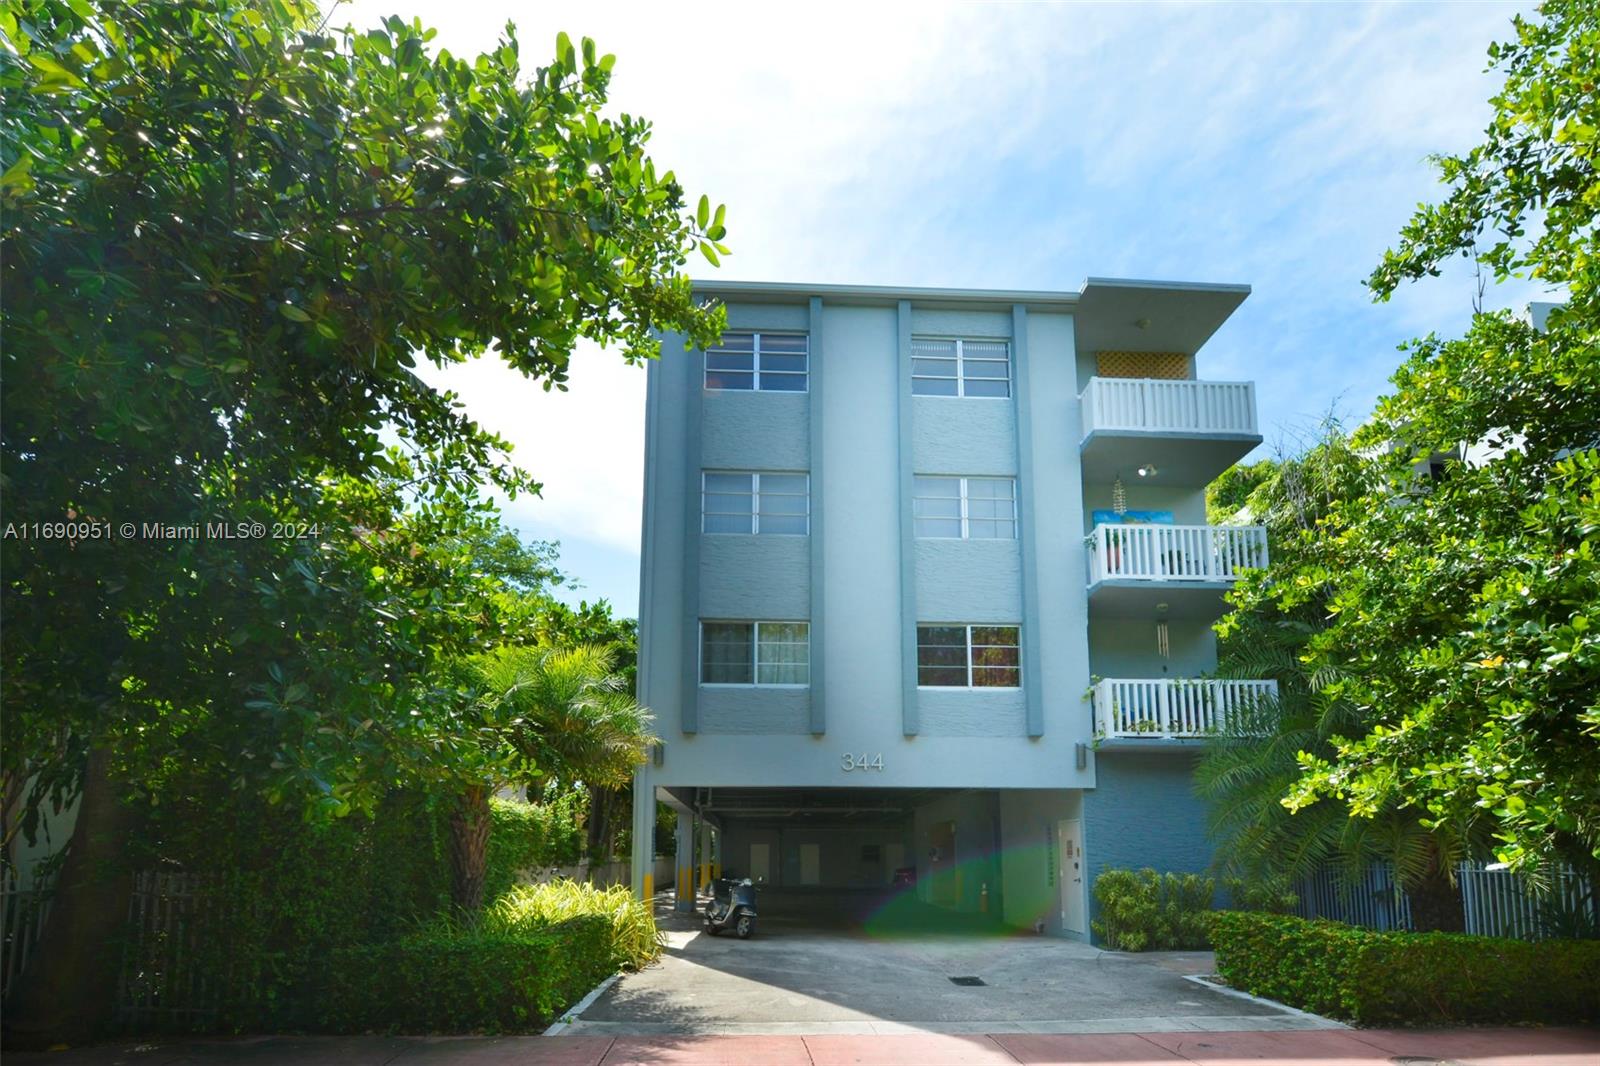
{"points": [[536, 712], [1246, 773]]}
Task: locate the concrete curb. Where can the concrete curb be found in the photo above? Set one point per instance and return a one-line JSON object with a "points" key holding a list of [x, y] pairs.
{"points": [[1319, 1022], [561, 1023]]}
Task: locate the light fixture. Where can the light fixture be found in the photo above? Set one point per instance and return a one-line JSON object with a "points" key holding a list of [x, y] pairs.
{"points": [[1147, 470]]}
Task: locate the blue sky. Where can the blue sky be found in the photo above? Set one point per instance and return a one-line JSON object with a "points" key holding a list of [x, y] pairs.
{"points": [[1016, 146]]}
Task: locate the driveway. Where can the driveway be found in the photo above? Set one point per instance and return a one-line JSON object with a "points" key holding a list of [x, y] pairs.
{"points": [[796, 976]]}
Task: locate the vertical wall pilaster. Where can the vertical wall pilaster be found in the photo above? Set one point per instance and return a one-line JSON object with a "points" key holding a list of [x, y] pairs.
{"points": [[694, 397], [908, 559], [1027, 538], [819, 614]]}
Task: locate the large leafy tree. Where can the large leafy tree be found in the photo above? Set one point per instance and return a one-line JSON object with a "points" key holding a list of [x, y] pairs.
{"points": [[229, 234], [1246, 772], [1462, 605]]}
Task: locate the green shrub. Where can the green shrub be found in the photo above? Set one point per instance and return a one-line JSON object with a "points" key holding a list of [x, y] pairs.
{"points": [[1271, 893], [1148, 911], [1416, 978], [449, 978], [527, 908], [528, 836]]}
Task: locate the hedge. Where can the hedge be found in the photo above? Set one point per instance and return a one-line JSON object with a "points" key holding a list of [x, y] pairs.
{"points": [[446, 979], [1408, 978], [1148, 911]]}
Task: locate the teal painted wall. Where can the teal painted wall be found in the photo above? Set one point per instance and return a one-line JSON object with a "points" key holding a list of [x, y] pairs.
{"points": [[1143, 812]]}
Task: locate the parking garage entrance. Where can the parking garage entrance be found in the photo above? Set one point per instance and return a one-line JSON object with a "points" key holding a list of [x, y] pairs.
{"points": [[885, 859]]}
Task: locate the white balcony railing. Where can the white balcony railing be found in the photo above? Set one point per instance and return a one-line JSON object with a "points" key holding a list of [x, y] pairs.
{"points": [[1149, 405], [1175, 553], [1168, 708]]}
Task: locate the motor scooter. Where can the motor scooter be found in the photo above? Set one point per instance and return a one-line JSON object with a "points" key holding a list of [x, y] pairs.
{"points": [[732, 906]]}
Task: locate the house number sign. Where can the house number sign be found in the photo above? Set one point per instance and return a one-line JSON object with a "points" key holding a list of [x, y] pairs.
{"points": [[852, 761]]}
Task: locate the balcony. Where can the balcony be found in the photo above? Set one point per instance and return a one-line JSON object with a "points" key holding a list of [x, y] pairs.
{"points": [[1146, 571], [1167, 709], [1186, 431]]}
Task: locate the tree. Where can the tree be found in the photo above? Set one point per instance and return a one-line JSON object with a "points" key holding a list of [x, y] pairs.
{"points": [[228, 236], [1228, 494], [610, 808], [1246, 773], [1468, 620], [528, 713]]}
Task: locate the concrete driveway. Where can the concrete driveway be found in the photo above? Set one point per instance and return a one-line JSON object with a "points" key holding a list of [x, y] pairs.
{"points": [[798, 976]]}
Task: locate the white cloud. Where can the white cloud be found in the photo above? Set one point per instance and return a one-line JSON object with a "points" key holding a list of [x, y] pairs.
{"points": [[1027, 146]]}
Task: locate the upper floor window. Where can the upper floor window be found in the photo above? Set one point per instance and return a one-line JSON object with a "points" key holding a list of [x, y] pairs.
{"points": [[976, 508], [755, 653], [755, 503], [766, 362], [952, 656], [960, 368]]}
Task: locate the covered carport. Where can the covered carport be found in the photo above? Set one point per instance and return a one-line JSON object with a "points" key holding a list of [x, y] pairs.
{"points": [[925, 858]]}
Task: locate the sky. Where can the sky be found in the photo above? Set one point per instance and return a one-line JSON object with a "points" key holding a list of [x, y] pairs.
{"points": [[1022, 146]]}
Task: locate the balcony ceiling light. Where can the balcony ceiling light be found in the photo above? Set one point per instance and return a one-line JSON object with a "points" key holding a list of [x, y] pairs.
{"points": [[1147, 470]]}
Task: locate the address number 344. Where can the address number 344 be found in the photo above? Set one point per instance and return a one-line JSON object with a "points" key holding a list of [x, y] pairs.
{"points": [[852, 761]]}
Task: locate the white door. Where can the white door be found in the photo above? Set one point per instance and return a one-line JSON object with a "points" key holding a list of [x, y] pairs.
{"points": [[894, 857], [810, 864], [760, 862], [1069, 834]]}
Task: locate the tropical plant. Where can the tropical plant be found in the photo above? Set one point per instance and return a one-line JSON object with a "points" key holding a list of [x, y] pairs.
{"points": [[527, 907], [524, 714], [1250, 768], [229, 235], [1465, 623]]}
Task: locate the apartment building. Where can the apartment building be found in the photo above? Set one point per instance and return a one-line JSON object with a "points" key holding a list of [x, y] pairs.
{"points": [[927, 591]]}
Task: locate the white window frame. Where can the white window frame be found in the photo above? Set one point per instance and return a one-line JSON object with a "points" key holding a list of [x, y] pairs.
{"points": [[755, 502], [966, 529], [755, 363], [755, 653], [969, 627], [961, 367]]}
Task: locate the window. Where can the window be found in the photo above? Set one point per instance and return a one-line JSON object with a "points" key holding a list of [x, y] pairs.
{"points": [[976, 508], [767, 362], [755, 503], [960, 368], [968, 657], [755, 653]]}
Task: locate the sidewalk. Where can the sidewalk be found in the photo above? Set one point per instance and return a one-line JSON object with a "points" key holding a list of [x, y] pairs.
{"points": [[1348, 1047]]}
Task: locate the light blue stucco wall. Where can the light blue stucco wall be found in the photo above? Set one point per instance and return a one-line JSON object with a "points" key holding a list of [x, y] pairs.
{"points": [[968, 739], [1029, 866], [1126, 647], [1144, 812]]}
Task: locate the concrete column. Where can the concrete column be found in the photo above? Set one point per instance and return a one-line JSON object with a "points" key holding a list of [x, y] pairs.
{"points": [[683, 860], [644, 834], [705, 854]]}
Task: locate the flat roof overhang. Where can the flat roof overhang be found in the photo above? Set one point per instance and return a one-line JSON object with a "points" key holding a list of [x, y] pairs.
{"points": [[1136, 598], [1180, 458], [1177, 315], [1130, 315]]}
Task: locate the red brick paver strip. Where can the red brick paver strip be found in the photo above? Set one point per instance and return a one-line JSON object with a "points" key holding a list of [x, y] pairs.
{"points": [[1326, 1047], [503, 1051], [1490, 1047], [1128, 1048], [707, 1051], [922, 1049]]}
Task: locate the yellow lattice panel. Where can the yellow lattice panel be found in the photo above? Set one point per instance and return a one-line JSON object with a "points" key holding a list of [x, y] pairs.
{"points": [[1173, 365]]}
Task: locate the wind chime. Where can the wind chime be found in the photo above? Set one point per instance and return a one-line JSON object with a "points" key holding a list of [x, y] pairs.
{"points": [[1163, 645], [1119, 496]]}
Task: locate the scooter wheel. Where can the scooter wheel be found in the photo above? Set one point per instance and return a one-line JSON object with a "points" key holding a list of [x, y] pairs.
{"points": [[712, 930], [745, 926]]}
